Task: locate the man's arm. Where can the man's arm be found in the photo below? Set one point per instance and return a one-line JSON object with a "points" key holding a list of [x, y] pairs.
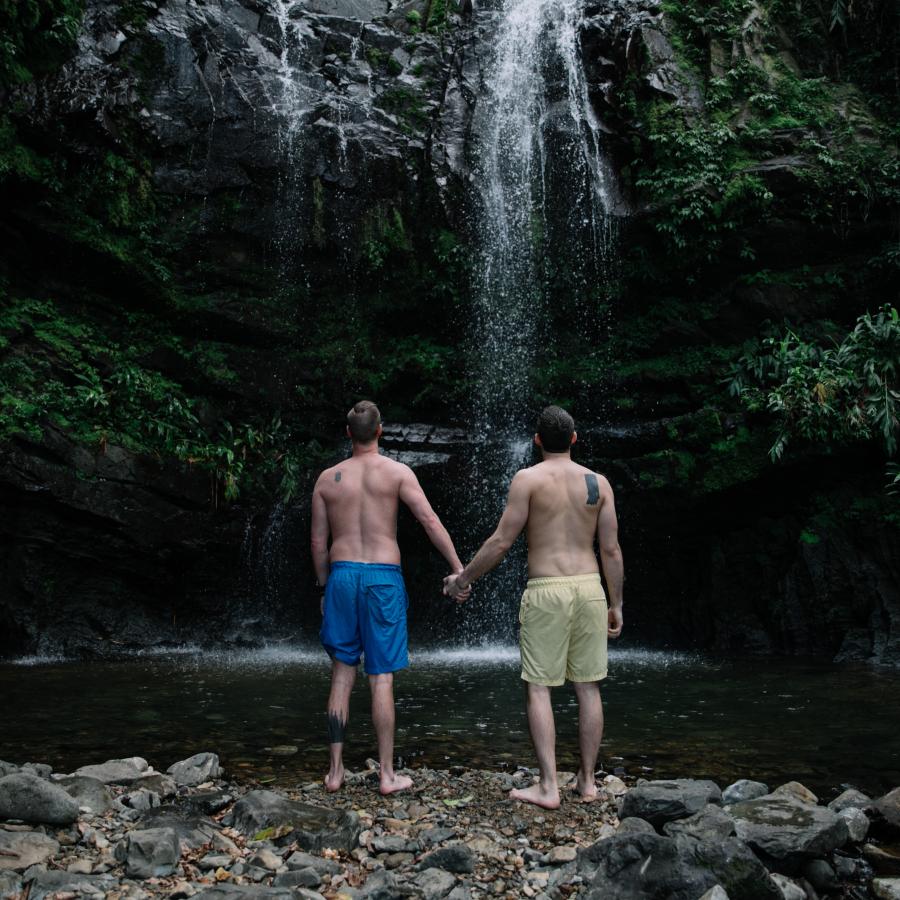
{"points": [[611, 555], [319, 535], [497, 545], [413, 496]]}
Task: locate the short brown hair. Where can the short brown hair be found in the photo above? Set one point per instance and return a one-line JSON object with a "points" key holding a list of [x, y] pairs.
{"points": [[363, 421], [555, 427]]}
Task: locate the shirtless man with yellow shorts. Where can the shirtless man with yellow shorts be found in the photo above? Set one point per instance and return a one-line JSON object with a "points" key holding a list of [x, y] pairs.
{"points": [[564, 615]]}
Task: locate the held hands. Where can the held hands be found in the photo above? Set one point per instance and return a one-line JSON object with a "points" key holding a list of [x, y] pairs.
{"points": [[615, 621], [453, 590]]}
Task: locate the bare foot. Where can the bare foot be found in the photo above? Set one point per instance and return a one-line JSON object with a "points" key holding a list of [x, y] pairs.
{"points": [[334, 779], [392, 784], [538, 795], [586, 790]]}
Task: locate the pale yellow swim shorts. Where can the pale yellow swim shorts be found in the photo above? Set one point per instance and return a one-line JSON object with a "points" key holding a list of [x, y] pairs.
{"points": [[564, 628]]}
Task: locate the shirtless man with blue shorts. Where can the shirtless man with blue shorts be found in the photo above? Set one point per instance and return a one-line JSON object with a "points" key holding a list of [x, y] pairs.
{"points": [[364, 606]]}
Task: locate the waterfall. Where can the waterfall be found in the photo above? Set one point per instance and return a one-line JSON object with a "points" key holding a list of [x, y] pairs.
{"points": [[543, 201]]}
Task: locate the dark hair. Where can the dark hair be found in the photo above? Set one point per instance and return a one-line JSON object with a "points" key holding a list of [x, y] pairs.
{"points": [[555, 427], [363, 421]]}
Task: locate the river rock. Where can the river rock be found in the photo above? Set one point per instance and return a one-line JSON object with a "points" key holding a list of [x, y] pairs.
{"points": [[7, 768], [712, 824], [641, 866], [21, 849], [849, 799], [32, 799], [117, 771], [313, 828], [157, 783], [265, 859], [885, 861], [455, 857], [42, 770], [820, 875], [196, 769], [434, 883], [87, 792], [634, 825], [889, 807], [715, 893], [857, 823], [52, 883], [781, 826], [301, 860], [10, 885], [743, 790], [193, 831], [665, 801], [252, 892], [305, 878], [886, 888], [796, 790], [789, 888], [151, 853]]}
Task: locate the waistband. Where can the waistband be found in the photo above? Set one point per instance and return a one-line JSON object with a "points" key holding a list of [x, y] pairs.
{"points": [[369, 567], [558, 580]]}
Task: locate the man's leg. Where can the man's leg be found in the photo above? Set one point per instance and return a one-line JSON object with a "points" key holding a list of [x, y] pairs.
{"points": [[543, 734], [590, 733], [342, 678], [383, 716]]}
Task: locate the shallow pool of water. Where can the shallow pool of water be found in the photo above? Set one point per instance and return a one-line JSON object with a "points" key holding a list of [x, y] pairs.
{"points": [[674, 714]]}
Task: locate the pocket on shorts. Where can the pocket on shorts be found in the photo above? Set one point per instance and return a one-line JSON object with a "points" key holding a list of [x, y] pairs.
{"points": [[592, 614], [523, 606], [387, 603]]}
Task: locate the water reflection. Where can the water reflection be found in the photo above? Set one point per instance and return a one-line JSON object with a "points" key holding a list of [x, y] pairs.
{"points": [[673, 714]]}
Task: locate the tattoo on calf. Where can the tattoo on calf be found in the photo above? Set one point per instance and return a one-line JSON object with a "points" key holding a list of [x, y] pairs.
{"points": [[337, 727], [337, 476], [593, 489]]}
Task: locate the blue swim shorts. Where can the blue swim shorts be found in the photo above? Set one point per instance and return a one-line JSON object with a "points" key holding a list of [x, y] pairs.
{"points": [[365, 614]]}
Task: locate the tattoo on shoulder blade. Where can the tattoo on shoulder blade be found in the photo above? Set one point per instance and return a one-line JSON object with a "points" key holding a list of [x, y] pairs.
{"points": [[593, 489], [337, 727], [337, 476]]}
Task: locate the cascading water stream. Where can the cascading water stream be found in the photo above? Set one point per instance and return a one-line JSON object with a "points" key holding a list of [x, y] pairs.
{"points": [[543, 193]]}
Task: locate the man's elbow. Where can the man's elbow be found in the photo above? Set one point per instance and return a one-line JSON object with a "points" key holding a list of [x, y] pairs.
{"points": [[501, 544], [318, 546], [611, 551], [431, 523]]}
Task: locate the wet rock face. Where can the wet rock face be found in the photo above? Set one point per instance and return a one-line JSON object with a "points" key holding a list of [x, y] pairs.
{"points": [[32, 799]]}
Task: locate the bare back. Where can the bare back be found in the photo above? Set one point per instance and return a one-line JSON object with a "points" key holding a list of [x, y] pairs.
{"points": [[361, 497]]}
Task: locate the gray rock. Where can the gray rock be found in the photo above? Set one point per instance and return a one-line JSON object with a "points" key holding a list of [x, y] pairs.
{"points": [[87, 792], [196, 769], [215, 861], [265, 859], [434, 883], [301, 860], [744, 790], [152, 852], [32, 799], [193, 831], [364, 10], [796, 790], [313, 828], [665, 801], [642, 866], [436, 835], [789, 888], [884, 861], [247, 892], [633, 825], [384, 885], [142, 800], [21, 849], [394, 843], [51, 882], [857, 823], [820, 875], [889, 807], [456, 857], [117, 771], [712, 824], [42, 770], [7, 768], [308, 878], [158, 783], [715, 893], [851, 798], [886, 888], [783, 827], [10, 885]]}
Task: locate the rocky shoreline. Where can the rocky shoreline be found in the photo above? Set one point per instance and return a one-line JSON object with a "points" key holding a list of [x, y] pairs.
{"points": [[120, 829]]}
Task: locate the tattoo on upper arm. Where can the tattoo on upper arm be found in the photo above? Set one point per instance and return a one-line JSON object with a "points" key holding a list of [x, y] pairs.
{"points": [[593, 489], [337, 476], [337, 728]]}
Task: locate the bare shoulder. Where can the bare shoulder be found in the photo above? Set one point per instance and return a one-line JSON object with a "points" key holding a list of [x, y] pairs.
{"points": [[602, 482], [398, 471], [326, 476]]}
